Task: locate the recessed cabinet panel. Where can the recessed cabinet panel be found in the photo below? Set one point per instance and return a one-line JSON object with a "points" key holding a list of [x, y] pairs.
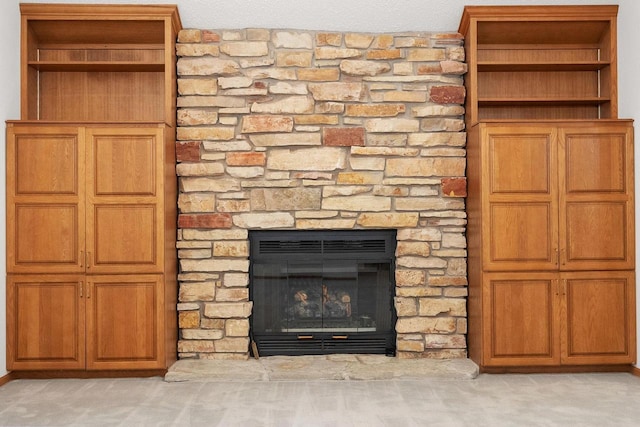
{"points": [[45, 322], [519, 233], [520, 163], [602, 156], [123, 321], [46, 234], [600, 309], [125, 236], [522, 312], [124, 164], [46, 164], [596, 232]]}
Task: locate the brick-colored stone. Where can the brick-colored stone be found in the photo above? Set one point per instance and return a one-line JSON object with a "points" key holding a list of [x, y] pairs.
{"points": [[188, 151], [344, 137], [447, 94], [246, 159], [454, 187], [210, 220]]}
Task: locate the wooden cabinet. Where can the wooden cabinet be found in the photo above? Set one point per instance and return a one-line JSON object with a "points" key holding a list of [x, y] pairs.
{"points": [[551, 231], [92, 191]]}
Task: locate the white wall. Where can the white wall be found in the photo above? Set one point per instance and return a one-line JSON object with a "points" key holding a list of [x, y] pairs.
{"points": [[338, 15]]}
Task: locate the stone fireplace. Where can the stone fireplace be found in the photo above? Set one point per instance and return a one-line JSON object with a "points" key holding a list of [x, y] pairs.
{"points": [[305, 130]]}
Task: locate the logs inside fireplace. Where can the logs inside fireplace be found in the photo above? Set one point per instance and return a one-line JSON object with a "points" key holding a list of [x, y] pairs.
{"points": [[323, 292]]}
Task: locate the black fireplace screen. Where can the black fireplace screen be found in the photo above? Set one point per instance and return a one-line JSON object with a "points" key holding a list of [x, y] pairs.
{"points": [[321, 292]]}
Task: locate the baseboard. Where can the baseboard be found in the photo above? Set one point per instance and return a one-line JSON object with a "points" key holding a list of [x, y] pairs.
{"points": [[6, 378], [46, 375], [635, 371]]}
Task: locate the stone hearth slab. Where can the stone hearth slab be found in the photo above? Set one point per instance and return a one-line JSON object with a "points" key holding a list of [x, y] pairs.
{"points": [[329, 367]]}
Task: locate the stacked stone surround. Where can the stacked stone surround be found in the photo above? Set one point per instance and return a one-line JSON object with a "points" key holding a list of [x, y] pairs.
{"points": [[281, 129]]}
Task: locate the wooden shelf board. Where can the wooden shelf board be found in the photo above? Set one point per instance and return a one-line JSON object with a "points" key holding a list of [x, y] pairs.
{"points": [[542, 66], [107, 66]]}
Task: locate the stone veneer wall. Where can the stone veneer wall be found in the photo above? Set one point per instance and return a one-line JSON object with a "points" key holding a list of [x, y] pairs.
{"points": [[303, 130]]}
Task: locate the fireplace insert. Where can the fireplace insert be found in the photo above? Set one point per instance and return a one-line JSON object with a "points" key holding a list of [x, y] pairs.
{"points": [[323, 292]]}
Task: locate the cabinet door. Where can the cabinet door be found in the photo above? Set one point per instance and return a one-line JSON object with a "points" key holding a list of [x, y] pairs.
{"points": [[45, 322], [124, 322], [598, 314], [520, 315], [520, 230], [596, 197], [124, 200], [45, 199]]}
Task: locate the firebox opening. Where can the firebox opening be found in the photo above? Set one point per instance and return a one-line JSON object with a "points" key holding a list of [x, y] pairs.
{"points": [[323, 292]]}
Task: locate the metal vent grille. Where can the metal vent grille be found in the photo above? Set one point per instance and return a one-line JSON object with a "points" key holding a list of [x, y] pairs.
{"points": [[357, 246], [290, 246]]}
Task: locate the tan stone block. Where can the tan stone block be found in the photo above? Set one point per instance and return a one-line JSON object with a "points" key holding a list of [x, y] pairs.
{"points": [[363, 68], [374, 110], [392, 125], [206, 323], [203, 184], [424, 54], [237, 328], [388, 220], [196, 202], [227, 146], [219, 265], [445, 341], [412, 41], [195, 117], [451, 139], [344, 190], [264, 220], [377, 54], [289, 105], [189, 319], [258, 34], [418, 291], [358, 41], [455, 292], [231, 248], [456, 53], [325, 224], [245, 48], [319, 74], [194, 253], [358, 203], [336, 53], [442, 124], [405, 96], [413, 248], [201, 334], [368, 164], [187, 35], [406, 307], [197, 291], [228, 310], [310, 159], [193, 86], [263, 61], [447, 281], [289, 199], [210, 101], [291, 139], [315, 214], [316, 119], [383, 41], [233, 206], [188, 306], [462, 326], [420, 262], [420, 234], [409, 277], [360, 178], [206, 66], [453, 240], [209, 36], [224, 356], [272, 73], [386, 140], [428, 203], [234, 82], [199, 169], [287, 88], [384, 151], [232, 345], [294, 58], [425, 167], [206, 132], [328, 39], [427, 325], [234, 35], [197, 277], [232, 280], [196, 50], [414, 346], [337, 91], [390, 190], [437, 306], [232, 294], [292, 39], [195, 346], [266, 123]]}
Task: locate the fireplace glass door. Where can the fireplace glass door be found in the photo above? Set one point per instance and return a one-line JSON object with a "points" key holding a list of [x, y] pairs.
{"points": [[322, 294]]}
